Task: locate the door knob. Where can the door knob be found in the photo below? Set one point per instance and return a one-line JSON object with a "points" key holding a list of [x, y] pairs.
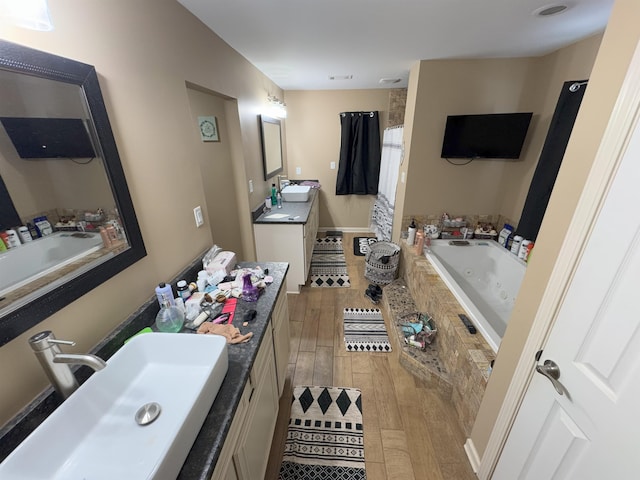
{"points": [[551, 370]]}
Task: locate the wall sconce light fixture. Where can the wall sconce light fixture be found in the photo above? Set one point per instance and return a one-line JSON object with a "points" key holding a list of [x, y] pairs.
{"points": [[277, 108]]}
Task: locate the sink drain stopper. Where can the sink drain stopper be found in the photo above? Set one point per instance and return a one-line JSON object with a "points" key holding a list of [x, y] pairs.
{"points": [[147, 413]]}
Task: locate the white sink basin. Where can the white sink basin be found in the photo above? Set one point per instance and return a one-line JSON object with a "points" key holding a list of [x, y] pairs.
{"points": [[295, 193], [94, 434]]}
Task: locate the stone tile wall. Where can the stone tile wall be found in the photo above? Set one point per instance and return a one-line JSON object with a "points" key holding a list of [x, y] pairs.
{"points": [[465, 357], [397, 106]]}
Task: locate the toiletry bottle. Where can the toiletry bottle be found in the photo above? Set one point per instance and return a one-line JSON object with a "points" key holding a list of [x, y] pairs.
{"points": [[522, 252], [32, 231], [250, 293], [515, 245], [412, 232], [419, 243], [163, 291], [4, 238], [106, 242], [14, 239], [279, 199], [25, 236], [182, 288], [274, 191], [3, 246], [202, 280], [169, 319], [267, 203]]}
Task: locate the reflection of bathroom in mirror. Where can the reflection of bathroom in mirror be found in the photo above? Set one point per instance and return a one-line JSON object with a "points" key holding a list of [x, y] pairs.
{"points": [[271, 146], [58, 160]]}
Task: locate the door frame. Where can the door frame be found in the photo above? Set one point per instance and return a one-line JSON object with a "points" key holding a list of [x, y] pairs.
{"points": [[608, 157]]}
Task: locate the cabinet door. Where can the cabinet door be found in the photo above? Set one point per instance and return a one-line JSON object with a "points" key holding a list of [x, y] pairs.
{"points": [[281, 343], [253, 448], [283, 243], [310, 233], [225, 469]]}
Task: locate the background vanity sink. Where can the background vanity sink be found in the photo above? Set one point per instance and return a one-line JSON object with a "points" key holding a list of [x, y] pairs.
{"points": [[296, 193], [94, 433]]}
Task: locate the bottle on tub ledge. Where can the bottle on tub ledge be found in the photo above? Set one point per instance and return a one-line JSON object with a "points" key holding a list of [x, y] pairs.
{"points": [[411, 238]]}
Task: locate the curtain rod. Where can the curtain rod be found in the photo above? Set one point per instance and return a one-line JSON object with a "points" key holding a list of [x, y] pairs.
{"points": [[344, 114]]}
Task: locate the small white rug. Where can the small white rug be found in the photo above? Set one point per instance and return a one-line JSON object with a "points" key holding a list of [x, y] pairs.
{"points": [[364, 330], [328, 264], [325, 437]]}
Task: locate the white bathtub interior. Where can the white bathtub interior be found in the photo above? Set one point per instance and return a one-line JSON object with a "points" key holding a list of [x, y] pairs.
{"points": [[30, 261], [485, 278]]}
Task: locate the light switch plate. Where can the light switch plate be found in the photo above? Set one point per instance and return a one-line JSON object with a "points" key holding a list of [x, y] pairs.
{"points": [[197, 213], [250, 186], [402, 177], [298, 171], [333, 165]]}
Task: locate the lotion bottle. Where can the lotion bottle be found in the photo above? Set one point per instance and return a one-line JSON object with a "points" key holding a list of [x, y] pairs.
{"points": [[412, 232]]}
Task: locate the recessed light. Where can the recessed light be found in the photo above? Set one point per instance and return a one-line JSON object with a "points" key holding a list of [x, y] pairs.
{"points": [[387, 81], [549, 10], [340, 77]]}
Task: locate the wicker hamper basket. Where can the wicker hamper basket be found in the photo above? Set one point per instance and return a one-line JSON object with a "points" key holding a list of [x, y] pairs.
{"points": [[381, 262]]}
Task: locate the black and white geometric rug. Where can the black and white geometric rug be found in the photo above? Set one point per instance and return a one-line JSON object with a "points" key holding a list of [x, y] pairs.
{"points": [[328, 265], [361, 245], [325, 438], [364, 330]]}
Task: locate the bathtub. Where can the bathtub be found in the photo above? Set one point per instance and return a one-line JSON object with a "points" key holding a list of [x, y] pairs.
{"points": [[485, 279], [24, 264]]}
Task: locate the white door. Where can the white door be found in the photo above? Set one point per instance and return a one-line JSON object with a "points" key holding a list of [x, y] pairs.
{"points": [[591, 431]]}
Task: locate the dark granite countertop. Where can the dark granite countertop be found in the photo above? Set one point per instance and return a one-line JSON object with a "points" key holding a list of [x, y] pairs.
{"points": [[204, 453], [296, 212]]}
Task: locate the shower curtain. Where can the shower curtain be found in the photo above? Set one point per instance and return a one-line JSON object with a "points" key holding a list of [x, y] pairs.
{"points": [[359, 166], [383, 207]]}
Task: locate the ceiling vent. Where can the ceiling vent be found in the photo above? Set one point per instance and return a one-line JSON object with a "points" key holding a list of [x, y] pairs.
{"points": [[340, 77], [389, 81], [549, 10]]}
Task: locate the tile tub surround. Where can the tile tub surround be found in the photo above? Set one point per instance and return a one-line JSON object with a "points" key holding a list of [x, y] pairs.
{"points": [[465, 357], [472, 220], [205, 451]]}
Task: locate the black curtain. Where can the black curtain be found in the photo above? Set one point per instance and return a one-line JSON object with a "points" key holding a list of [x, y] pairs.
{"points": [[550, 160], [359, 166], [9, 218]]}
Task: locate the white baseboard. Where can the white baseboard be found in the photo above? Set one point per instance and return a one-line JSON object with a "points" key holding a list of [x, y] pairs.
{"points": [[346, 229], [472, 455]]}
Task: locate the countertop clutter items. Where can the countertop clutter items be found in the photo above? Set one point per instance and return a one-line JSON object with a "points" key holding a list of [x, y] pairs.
{"points": [[238, 402]]}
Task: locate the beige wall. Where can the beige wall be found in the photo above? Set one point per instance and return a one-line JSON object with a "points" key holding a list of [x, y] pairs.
{"points": [[618, 44], [451, 87], [144, 51], [313, 142]]}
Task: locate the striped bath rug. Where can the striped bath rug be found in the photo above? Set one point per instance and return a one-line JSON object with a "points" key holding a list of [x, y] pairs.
{"points": [[328, 264], [364, 330], [324, 439]]}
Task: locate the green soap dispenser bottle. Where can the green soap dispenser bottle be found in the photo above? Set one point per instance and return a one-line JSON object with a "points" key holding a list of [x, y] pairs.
{"points": [[274, 193]]}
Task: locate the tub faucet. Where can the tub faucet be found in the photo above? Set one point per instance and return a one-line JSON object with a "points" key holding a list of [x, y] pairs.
{"points": [[56, 364]]}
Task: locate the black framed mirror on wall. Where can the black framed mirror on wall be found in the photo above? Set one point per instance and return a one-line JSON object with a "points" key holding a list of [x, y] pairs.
{"points": [[271, 131], [58, 162]]}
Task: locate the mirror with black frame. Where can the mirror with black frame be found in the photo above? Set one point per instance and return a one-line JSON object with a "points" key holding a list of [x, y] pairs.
{"points": [[270, 129], [65, 209]]}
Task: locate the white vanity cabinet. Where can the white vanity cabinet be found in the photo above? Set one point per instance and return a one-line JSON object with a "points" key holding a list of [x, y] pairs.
{"points": [[289, 242], [245, 453]]}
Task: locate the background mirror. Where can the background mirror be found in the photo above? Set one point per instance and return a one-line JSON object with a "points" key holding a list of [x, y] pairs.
{"points": [[271, 146], [58, 160]]}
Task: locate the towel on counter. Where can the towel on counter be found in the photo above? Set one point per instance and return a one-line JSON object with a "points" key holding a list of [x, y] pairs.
{"points": [[384, 206], [231, 333]]}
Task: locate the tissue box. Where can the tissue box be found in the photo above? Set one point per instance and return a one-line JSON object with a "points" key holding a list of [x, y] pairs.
{"points": [[223, 261]]}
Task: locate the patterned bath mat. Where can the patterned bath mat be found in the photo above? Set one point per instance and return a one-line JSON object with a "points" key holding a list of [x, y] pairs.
{"points": [[324, 439], [361, 245], [364, 330], [328, 265]]}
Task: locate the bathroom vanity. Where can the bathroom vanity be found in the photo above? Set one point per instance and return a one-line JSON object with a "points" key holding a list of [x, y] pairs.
{"points": [[235, 438], [288, 234]]}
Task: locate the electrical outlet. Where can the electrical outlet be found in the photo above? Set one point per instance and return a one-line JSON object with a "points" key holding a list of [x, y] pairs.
{"points": [[197, 213], [333, 165], [298, 171], [250, 186]]}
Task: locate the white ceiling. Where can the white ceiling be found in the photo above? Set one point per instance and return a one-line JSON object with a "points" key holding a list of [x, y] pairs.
{"points": [[300, 43]]}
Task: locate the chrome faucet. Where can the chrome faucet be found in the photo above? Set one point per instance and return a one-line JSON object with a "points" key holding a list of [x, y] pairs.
{"points": [[56, 364]]}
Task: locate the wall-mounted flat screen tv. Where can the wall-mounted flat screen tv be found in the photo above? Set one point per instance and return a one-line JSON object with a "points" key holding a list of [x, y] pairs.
{"points": [[496, 135], [49, 137]]}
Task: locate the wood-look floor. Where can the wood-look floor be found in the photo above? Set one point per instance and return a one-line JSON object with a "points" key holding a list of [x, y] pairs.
{"points": [[409, 432]]}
